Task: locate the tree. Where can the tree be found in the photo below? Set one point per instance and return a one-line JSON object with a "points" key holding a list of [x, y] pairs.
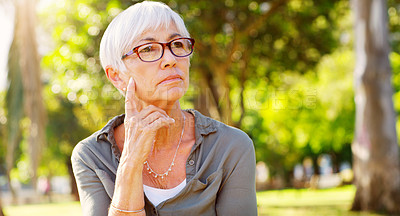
{"points": [[375, 149], [29, 60], [63, 131], [242, 41], [24, 95]]}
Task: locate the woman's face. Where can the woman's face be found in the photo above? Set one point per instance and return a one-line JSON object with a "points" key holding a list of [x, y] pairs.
{"points": [[164, 81]]}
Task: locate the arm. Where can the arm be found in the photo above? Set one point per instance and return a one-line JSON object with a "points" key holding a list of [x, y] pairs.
{"points": [[128, 196], [238, 194], [92, 194], [128, 192], [140, 131]]}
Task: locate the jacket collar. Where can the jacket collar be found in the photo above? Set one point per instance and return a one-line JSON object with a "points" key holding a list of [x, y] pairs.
{"points": [[203, 126], [108, 128]]}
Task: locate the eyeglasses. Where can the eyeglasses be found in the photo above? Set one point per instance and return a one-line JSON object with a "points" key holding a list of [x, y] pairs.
{"points": [[153, 51]]}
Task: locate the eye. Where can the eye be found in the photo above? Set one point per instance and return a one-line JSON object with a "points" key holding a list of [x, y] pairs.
{"points": [[177, 44], [146, 48]]}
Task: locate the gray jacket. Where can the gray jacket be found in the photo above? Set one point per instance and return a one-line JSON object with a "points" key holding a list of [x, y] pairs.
{"points": [[220, 172]]}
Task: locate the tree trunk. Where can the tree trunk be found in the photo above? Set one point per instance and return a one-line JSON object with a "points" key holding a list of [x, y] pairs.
{"points": [[224, 102], [30, 70], [14, 196], [375, 148], [1, 207], [205, 102], [15, 110], [74, 188], [1, 210]]}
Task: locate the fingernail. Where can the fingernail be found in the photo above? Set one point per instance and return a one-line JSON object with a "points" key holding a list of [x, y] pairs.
{"points": [[130, 80], [173, 120]]}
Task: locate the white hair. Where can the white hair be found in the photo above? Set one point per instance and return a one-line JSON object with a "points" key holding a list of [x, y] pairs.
{"points": [[125, 29]]}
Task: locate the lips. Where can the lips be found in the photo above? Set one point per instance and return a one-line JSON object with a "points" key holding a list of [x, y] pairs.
{"points": [[171, 78]]}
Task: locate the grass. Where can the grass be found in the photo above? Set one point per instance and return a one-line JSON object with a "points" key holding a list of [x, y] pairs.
{"points": [[308, 202], [48, 209], [288, 202]]}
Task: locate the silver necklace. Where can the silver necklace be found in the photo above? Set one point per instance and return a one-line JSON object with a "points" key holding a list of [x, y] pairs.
{"points": [[156, 175]]}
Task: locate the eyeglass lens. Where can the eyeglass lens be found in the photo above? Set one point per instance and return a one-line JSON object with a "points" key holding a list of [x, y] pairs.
{"points": [[154, 51]]}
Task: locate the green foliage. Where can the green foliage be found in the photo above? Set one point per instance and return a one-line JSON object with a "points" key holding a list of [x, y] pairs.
{"points": [[78, 96], [395, 63], [63, 132], [394, 24], [3, 128], [293, 37], [307, 115], [291, 116]]}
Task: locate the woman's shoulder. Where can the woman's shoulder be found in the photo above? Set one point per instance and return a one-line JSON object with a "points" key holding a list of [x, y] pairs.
{"points": [[98, 143], [88, 141], [220, 133], [88, 146], [94, 153], [234, 138]]}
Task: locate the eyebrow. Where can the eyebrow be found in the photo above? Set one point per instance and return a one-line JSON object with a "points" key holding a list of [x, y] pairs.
{"points": [[174, 35], [169, 38]]}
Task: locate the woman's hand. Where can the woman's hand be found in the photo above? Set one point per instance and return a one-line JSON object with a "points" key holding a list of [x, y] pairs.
{"points": [[140, 128], [140, 131]]}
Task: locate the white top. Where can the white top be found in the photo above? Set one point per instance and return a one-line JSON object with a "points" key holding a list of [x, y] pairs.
{"points": [[157, 195]]}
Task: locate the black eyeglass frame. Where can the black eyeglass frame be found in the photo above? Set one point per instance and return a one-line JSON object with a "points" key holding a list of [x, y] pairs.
{"points": [[168, 44]]}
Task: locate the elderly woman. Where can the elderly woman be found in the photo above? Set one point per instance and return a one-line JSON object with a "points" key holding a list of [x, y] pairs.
{"points": [[157, 159]]}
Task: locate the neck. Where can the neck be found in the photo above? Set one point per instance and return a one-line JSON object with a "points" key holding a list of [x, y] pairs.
{"points": [[166, 137]]}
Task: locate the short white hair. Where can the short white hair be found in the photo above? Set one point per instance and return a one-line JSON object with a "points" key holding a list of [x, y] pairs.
{"points": [[130, 24]]}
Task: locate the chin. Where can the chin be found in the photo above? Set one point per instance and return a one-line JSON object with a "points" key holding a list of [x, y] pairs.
{"points": [[173, 94], [168, 95]]}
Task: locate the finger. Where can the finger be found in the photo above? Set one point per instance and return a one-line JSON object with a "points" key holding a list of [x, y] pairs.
{"points": [[150, 109], [130, 105], [137, 118], [144, 140], [153, 127], [144, 113], [154, 116], [136, 124]]}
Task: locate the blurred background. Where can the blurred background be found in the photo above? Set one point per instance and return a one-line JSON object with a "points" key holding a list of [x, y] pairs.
{"points": [[287, 72]]}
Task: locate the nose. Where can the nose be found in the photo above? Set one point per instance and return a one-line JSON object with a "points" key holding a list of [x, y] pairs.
{"points": [[168, 59]]}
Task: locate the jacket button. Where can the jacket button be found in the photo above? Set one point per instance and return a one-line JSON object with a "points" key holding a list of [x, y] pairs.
{"points": [[191, 162]]}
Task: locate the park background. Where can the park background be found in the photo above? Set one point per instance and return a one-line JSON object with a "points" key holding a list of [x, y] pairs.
{"points": [[281, 70]]}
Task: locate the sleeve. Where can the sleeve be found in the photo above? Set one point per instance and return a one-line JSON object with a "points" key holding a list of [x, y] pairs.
{"points": [[238, 194], [93, 196]]}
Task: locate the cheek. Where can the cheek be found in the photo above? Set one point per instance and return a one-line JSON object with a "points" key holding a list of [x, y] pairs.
{"points": [[142, 85], [139, 75], [187, 85], [185, 67]]}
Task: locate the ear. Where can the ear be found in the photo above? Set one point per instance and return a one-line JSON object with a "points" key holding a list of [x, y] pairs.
{"points": [[115, 77]]}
